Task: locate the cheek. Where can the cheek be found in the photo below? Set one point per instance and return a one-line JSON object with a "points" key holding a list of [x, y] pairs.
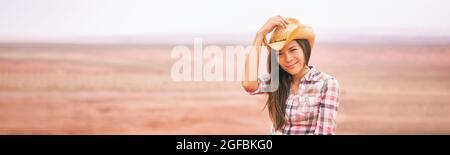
{"points": [[282, 60], [302, 62], [301, 59], [282, 64]]}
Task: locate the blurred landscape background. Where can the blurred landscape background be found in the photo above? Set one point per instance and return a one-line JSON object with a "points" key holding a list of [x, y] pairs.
{"points": [[103, 67]]}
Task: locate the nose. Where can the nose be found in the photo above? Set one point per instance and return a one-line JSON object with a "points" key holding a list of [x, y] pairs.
{"points": [[288, 57]]}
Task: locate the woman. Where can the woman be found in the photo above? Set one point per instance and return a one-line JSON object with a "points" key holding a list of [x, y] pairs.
{"points": [[306, 100]]}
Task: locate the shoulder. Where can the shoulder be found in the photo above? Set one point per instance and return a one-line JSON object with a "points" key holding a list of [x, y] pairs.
{"points": [[326, 80], [330, 80], [317, 75], [329, 88]]}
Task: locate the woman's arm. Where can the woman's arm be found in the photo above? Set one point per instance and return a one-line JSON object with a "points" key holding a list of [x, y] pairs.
{"points": [[250, 82]]}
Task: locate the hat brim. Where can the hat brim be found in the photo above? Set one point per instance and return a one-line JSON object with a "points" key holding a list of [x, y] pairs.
{"points": [[301, 32], [277, 45]]}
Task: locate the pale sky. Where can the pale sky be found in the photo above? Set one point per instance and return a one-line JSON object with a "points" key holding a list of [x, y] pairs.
{"points": [[72, 18]]}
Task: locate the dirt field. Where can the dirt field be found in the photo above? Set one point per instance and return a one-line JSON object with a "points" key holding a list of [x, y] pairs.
{"points": [[71, 89]]}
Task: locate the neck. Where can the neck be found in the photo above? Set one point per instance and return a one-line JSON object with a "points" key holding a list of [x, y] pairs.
{"points": [[296, 77]]}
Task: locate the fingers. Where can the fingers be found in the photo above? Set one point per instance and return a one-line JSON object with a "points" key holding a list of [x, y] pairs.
{"points": [[280, 21], [273, 22], [280, 24], [285, 21]]}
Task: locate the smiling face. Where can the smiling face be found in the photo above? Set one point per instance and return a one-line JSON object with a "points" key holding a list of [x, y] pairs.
{"points": [[291, 58]]}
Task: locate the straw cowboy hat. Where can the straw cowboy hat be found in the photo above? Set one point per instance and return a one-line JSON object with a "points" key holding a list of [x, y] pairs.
{"points": [[281, 36]]}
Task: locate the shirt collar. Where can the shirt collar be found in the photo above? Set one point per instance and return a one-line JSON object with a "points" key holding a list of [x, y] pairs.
{"points": [[312, 75]]}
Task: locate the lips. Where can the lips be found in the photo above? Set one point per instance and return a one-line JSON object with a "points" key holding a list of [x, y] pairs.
{"points": [[292, 65]]}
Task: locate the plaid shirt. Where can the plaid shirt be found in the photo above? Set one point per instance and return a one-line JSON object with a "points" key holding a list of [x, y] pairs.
{"points": [[313, 109]]}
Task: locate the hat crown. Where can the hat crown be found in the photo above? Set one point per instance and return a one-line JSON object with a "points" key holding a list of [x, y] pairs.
{"points": [[281, 36], [281, 33]]}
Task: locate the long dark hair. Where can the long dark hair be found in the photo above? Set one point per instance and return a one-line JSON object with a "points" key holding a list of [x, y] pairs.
{"points": [[276, 103]]}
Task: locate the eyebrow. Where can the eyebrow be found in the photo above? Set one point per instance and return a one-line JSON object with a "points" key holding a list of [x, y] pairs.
{"points": [[291, 47]]}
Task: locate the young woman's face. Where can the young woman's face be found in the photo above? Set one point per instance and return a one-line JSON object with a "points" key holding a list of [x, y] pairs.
{"points": [[291, 58]]}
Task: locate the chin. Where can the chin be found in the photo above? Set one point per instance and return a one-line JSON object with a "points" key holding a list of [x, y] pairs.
{"points": [[293, 71]]}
